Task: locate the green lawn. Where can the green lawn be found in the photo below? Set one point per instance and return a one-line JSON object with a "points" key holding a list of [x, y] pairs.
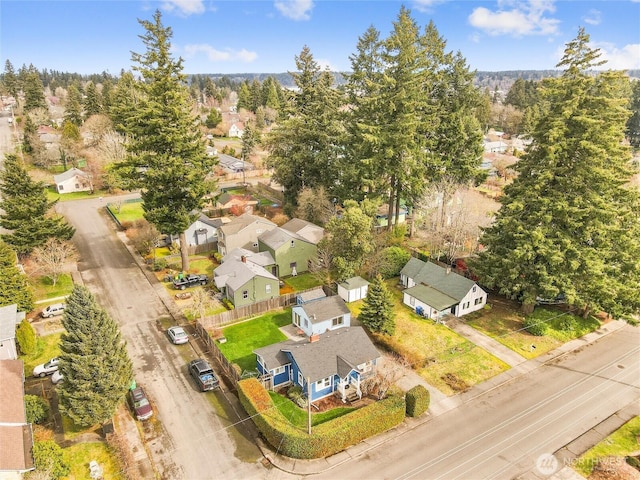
{"points": [[243, 338], [303, 281], [43, 287], [298, 416], [620, 443], [47, 348], [129, 212], [52, 195], [81, 454], [504, 322], [443, 358]]}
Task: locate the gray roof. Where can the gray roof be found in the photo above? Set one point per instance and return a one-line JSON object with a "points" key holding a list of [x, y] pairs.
{"points": [[232, 163], [354, 282], [437, 277], [431, 296], [311, 295], [72, 172], [242, 222], [8, 321], [276, 238], [236, 273], [261, 258], [325, 308], [308, 231], [212, 222], [336, 352]]}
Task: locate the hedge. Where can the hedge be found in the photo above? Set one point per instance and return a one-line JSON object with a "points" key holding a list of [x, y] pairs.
{"points": [[327, 438], [417, 399]]}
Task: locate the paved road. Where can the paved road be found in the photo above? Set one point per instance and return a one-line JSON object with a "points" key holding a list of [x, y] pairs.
{"points": [[195, 438], [502, 433]]}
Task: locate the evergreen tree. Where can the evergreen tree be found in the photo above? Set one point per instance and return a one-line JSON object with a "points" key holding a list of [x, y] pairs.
{"points": [[106, 94], [29, 135], [167, 157], [244, 97], [250, 139], [256, 95], [304, 148], [97, 370], [124, 102], [15, 284], [33, 91], [377, 309], [73, 107], [633, 124], [27, 212], [10, 80], [92, 101], [570, 222], [213, 119]]}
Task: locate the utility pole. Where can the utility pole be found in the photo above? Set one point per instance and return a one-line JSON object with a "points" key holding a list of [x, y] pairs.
{"points": [[308, 405]]}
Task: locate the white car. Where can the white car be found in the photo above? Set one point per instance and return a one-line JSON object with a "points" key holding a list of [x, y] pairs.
{"points": [[55, 309], [47, 368], [57, 377], [177, 335]]}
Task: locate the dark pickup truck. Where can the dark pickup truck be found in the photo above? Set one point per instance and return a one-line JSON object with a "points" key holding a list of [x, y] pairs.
{"points": [[203, 374], [190, 280]]}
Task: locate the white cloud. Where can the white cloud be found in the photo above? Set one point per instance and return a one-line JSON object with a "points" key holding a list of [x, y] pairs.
{"points": [[625, 58], [295, 9], [593, 17], [427, 5], [184, 7], [517, 18], [215, 55]]}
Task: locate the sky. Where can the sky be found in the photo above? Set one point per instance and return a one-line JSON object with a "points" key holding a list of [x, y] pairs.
{"points": [[264, 36]]}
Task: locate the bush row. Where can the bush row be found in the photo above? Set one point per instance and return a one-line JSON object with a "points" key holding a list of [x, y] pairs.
{"points": [[327, 438]]}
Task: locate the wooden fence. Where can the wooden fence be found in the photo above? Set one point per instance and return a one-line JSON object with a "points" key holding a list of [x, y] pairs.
{"points": [[225, 318]]}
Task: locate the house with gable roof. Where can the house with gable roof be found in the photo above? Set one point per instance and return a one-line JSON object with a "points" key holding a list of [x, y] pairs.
{"points": [[73, 180], [293, 245], [434, 291], [321, 315], [336, 362], [16, 435], [243, 279], [242, 232], [9, 320]]}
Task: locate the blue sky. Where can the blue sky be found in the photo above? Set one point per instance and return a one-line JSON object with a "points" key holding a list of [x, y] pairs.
{"points": [[236, 36]]}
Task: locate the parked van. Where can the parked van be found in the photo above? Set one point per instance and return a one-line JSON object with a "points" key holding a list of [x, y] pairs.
{"points": [[55, 309]]}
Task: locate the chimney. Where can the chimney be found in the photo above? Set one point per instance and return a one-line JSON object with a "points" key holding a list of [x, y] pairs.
{"points": [[314, 338], [244, 259]]}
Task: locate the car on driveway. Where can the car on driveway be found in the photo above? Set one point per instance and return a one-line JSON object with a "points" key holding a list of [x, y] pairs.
{"points": [[177, 335], [191, 280], [52, 310], [140, 404], [57, 377], [47, 368], [203, 374]]}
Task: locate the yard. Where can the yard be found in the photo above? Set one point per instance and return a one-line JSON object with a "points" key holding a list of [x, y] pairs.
{"points": [[298, 416], [504, 323]]}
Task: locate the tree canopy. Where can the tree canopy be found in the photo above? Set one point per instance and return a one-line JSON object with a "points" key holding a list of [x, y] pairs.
{"points": [[570, 223]]}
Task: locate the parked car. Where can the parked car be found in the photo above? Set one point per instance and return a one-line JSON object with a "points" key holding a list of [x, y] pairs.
{"points": [[190, 280], [177, 335], [57, 377], [203, 374], [140, 404], [47, 368], [52, 310]]}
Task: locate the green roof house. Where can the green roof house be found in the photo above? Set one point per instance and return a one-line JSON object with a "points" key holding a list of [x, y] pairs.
{"points": [[434, 291]]}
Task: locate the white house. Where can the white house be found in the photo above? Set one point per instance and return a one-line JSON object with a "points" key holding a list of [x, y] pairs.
{"points": [[73, 180], [434, 291], [319, 316], [9, 319], [353, 289], [236, 130], [495, 147]]}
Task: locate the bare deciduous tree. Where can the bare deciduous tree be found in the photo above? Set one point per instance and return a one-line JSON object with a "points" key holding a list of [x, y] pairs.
{"points": [[320, 266], [112, 146], [52, 257], [388, 372], [200, 303]]}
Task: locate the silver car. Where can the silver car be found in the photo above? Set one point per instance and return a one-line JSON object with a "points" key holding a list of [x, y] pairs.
{"points": [[177, 335]]}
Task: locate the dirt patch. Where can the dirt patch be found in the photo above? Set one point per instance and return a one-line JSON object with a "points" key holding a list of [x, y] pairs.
{"points": [[455, 382]]}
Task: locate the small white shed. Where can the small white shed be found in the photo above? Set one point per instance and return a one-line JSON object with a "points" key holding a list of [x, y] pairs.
{"points": [[73, 180], [353, 289]]}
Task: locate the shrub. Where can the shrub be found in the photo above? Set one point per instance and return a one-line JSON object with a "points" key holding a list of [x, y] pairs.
{"points": [[26, 337], [297, 396], [535, 326], [159, 264], [392, 259], [417, 399], [49, 457], [37, 409]]}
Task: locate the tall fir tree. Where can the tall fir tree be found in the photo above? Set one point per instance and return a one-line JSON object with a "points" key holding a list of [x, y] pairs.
{"points": [[92, 101], [94, 362], [377, 309], [15, 284], [167, 157], [33, 91], [27, 212], [73, 107], [10, 80], [570, 222]]}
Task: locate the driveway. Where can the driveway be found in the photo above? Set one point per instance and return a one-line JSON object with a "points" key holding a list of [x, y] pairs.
{"points": [[198, 435]]}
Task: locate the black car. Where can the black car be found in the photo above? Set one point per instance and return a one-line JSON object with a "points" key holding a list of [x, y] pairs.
{"points": [[203, 374], [190, 280]]}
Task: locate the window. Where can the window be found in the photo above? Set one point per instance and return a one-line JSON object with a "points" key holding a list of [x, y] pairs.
{"points": [[306, 322], [478, 301], [324, 383], [296, 319], [255, 244], [300, 379], [278, 371], [473, 289], [293, 265], [268, 288], [466, 305], [337, 321], [60, 187], [412, 301], [293, 243], [245, 294]]}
